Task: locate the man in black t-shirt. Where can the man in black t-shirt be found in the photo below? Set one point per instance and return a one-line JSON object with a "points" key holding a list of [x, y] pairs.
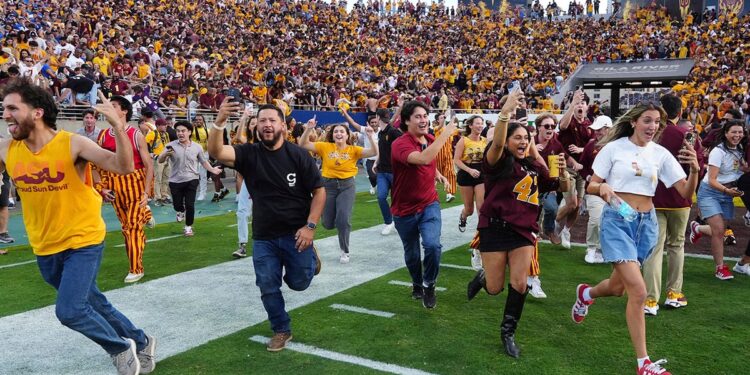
{"points": [[383, 168], [288, 197]]}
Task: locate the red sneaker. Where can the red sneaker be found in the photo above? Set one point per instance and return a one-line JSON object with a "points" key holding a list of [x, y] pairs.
{"points": [[723, 273], [695, 235], [581, 307], [654, 368]]}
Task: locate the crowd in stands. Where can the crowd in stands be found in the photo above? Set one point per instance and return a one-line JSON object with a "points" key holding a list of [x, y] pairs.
{"points": [[312, 54]]}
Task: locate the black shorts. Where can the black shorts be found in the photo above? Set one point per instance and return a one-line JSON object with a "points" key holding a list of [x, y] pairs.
{"points": [[5, 191], [499, 236], [463, 178]]}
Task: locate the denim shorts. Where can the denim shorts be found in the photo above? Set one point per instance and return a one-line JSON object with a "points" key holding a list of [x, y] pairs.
{"points": [[713, 202], [624, 241]]}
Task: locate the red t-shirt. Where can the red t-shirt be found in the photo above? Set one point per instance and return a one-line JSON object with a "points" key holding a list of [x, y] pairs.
{"points": [[413, 185]]}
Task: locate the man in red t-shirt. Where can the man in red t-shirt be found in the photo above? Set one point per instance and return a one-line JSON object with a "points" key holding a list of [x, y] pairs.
{"points": [[415, 207], [574, 135]]}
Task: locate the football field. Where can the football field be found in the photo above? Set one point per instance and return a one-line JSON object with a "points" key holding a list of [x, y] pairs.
{"points": [[205, 311]]}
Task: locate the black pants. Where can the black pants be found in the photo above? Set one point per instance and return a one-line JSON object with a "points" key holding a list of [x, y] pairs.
{"points": [[370, 174], [743, 184], [183, 198]]}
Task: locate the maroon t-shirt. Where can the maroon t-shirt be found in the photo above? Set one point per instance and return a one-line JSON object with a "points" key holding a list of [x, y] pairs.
{"points": [[577, 133], [587, 159], [553, 147], [671, 138], [515, 198], [413, 185]]}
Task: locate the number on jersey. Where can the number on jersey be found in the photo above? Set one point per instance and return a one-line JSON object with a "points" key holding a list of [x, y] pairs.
{"points": [[527, 190]]}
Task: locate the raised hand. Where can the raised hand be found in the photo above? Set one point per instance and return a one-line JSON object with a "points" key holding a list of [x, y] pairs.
{"points": [[108, 110], [226, 109]]}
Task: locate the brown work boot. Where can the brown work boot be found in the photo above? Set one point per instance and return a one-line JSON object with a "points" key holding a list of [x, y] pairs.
{"points": [[278, 341], [318, 263]]}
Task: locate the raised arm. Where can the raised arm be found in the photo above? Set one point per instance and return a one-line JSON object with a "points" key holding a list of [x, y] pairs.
{"points": [[304, 139], [568, 116], [351, 121], [215, 145], [686, 187], [428, 155], [373, 149], [501, 127], [121, 161]]}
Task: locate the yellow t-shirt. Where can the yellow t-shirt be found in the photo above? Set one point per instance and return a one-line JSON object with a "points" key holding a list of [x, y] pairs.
{"points": [[338, 163], [60, 211], [473, 150], [200, 136]]}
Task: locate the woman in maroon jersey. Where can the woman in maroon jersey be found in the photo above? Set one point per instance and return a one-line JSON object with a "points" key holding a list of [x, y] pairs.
{"points": [[507, 220]]}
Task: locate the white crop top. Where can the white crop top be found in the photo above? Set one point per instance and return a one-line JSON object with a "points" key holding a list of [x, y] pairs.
{"points": [[629, 168]]}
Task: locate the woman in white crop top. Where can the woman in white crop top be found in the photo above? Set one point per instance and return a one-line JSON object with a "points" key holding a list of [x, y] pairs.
{"points": [[726, 163], [628, 168]]}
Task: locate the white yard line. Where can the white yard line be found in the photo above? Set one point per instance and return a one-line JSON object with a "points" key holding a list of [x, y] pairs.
{"points": [[689, 255], [155, 239], [404, 283], [456, 266], [362, 310], [189, 309], [340, 357], [17, 264]]}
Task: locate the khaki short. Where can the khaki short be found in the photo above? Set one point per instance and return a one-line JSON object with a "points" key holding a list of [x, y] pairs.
{"points": [[577, 185]]}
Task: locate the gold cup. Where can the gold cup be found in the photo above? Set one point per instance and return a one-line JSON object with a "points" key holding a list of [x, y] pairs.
{"points": [[554, 171]]}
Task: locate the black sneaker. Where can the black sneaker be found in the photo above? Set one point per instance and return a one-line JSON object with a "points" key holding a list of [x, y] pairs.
{"points": [[216, 198], [461, 224], [417, 291], [167, 200], [428, 300], [6, 238], [223, 193]]}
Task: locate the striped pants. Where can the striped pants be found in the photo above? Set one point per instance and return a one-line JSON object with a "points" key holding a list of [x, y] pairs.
{"points": [[444, 163], [129, 190], [534, 268]]}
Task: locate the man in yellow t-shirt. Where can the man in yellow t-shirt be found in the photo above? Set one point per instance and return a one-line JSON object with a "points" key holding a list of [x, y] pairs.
{"points": [[62, 214]]}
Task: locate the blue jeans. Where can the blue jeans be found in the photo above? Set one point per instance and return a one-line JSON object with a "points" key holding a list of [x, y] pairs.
{"points": [[550, 211], [80, 305], [271, 258], [244, 209], [426, 224], [385, 181]]}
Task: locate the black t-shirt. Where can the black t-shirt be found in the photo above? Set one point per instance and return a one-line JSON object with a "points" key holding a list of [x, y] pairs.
{"points": [[385, 139], [281, 183]]}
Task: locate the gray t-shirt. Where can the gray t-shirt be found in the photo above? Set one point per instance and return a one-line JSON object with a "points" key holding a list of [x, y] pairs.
{"points": [[185, 160], [94, 135]]}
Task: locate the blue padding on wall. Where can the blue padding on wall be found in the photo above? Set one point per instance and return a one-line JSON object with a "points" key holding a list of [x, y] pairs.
{"points": [[327, 117]]}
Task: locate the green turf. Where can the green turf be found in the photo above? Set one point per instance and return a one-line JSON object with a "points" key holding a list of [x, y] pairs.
{"points": [[461, 337], [213, 243]]}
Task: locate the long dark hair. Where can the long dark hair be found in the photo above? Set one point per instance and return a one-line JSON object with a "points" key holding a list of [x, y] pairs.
{"points": [[723, 143], [506, 166], [329, 134]]}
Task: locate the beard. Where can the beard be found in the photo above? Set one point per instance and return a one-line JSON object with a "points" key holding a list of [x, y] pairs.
{"points": [[23, 129], [271, 142]]}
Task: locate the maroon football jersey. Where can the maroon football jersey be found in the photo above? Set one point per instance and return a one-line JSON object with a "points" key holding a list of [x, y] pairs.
{"points": [[515, 198], [577, 133]]}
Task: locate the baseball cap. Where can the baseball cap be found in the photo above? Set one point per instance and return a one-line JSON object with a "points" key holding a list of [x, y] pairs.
{"points": [[600, 122]]}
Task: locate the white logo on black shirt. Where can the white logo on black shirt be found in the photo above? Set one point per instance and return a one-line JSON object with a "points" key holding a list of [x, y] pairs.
{"points": [[292, 178]]}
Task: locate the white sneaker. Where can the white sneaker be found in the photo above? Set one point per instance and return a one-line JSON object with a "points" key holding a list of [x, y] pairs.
{"points": [[535, 287], [565, 237], [133, 277], [746, 217], [590, 257], [151, 223], [188, 231], [599, 256], [558, 228], [651, 307], [344, 259], [387, 229], [476, 259], [201, 197], [372, 190], [180, 216], [744, 269], [127, 362], [449, 197]]}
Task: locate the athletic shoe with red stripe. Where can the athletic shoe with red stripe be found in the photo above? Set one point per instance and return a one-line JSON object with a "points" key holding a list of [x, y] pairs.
{"points": [[654, 368], [695, 235], [581, 307]]}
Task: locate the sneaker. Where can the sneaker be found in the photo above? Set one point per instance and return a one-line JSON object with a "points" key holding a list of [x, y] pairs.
{"points": [[146, 356], [151, 223], [723, 273], [746, 217], [651, 307], [461, 223], [11, 203], [535, 286], [241, 252], [344, 259], [387, 229], [580, 307], [200, 197], [476, 259], [729, 238], [372, 190], [318, 263], [590, 257], [654, 368], [675, 300], [127, 362], [158, 203], [215, 198], [742, 268], [278, 341], [180, 216], [188, 231], [133, 277], [449, 197], [565, 237], [417, 292], [428, 299], [223, 193], [695, 235], [599, 256], [6, 238], [167, 200]]}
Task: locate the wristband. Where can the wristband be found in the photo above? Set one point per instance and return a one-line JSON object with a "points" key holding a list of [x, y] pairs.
{"points": [[503, 118], [221, 128]]}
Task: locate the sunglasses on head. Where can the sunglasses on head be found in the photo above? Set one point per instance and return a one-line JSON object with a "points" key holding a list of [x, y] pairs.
{"points": [[646, 103]]}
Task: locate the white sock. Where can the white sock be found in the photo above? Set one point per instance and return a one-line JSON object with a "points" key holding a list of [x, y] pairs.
{"points": [[587, 294], [641, 361]]}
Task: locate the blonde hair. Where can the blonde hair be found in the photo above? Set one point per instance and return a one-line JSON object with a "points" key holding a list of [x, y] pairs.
{"points": [[623, 126]]}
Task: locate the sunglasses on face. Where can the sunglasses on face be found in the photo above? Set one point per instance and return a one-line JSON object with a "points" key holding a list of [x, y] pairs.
{"points": [[552, 126]]}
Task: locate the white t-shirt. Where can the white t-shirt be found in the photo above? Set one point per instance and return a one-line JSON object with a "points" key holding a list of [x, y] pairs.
{"points": [[728, 163], [363, 135], [629, 168]]}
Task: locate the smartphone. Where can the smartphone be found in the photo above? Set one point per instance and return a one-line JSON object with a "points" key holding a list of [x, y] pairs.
{"points": [[169, 148], [235, 94], [520, 113], [690, 138]]}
